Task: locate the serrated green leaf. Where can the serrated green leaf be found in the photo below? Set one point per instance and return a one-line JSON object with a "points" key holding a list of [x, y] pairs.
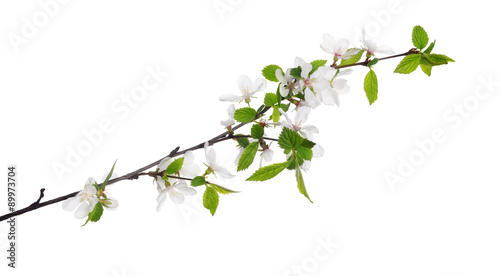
{"points": [[211, 200], [198, 181], [304, 153], [175, 166], [426, 69], [308, 144], [96, 213], [289, 139], [353, 59], [371, 86], [222, 190], [317, 64], [373, 62], [268, 172], [108, 176], [243, 142], [245, 114], [437, 59], [285, 107], [408, 64], [300, 183], [419, 37], [270, 99], [276, 114], [247, 156], [269, 72], [295, 72], [431, 46], [257, 131]]}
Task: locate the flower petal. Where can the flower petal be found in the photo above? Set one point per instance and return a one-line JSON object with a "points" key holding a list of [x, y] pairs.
{"points": [[71, 203], [244, 83], [231, 98], [164, 163], [190, 170], [258, 85], [223, 172], [83, 210]]}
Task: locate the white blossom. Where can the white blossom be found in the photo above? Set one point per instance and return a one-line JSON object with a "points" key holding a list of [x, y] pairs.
{"points": [[214, 165], [372, 47], [230, 112], [84, 202], [247, 89], [339, 48], [301, 115], [176, 192], [287, 83]]}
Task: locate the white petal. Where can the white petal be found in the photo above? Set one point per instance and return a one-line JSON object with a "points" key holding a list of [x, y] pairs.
{"points": [[267, 155], [328, 44], [279, 75], [299, 61], [71, 203], [188, 157], [344, 72], [258, 85], [164, 163], [310, 128], [161, 196], [284, 91], [244, 83], [311, 98], [302, 114], [350, 53], [231, 98], [372, 46], [306, 69], [184, 189], [342, 46], [230, 111], [190, 170], [306, 165], [228, 122], [176, 197], [83, 210], [384, 49], [111, 203], [223, 172], [90, 181], [160, 204], [211, 157], [89, 189], [318, 151]]}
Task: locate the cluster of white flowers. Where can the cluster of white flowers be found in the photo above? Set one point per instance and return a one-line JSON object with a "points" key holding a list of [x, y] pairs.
{"points": [[85, 201], [313, 87]]}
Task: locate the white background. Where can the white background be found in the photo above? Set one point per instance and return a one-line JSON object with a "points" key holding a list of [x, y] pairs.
{"points": [[443, 220]]}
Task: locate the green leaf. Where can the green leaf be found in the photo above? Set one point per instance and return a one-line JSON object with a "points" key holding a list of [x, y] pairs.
{"points": [[289, 139], [317, 64], [245, 114], [198, 181], [222, 190], [437, 59], [108, 177], [257, 131], [243, 142], [268, 172], [408, 64], [304, 153], [96, 213], [426, 69], [431, 46], [276, 114], [371, 86], [308, 144], [300, 183], [270, 99], [419, 37], [373, 62], [247, 156], [295, 72], [261, 108], [353, 59], [211, 199], [269, 72], [175, 166]]}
